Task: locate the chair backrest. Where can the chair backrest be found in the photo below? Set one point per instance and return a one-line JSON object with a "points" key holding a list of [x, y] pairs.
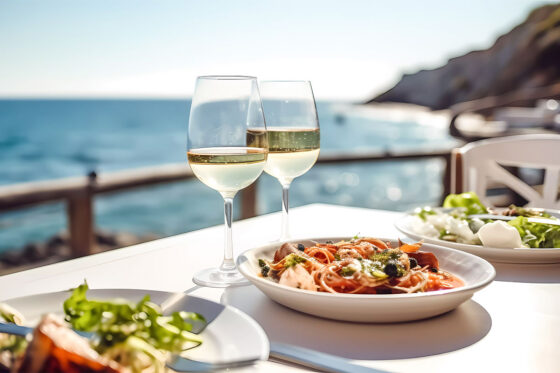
{"points": [[476, 164]]}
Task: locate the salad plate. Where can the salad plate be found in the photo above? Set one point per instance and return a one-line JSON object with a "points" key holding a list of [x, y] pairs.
{"points": [[221, 337], [407, 224], [475, 272]]}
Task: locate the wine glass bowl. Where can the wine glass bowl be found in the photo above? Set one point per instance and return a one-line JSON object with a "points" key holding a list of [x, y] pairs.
{"points": [[224, 110], [227, 169], [293, 135]]}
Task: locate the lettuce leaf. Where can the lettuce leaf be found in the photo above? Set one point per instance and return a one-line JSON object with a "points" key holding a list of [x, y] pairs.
{"points": [[537, 235], [117, 320], [469, 201]]}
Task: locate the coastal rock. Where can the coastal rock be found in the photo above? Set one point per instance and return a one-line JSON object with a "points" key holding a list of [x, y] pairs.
{"points": [[12, 258], [57, 245], [526, 57], [61, 251], [57, 240], [57, 248], [35, 251], [106, 238]]}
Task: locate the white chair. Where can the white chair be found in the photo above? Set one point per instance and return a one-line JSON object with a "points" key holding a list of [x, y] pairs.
{"points": [[476, 165]]}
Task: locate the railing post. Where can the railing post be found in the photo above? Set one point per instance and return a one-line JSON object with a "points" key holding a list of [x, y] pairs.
{"points": [[81, 220], [456, 172], [249, 201], [446, 182]]}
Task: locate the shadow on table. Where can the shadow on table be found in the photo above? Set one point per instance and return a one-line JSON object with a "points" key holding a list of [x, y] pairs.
{"points": [[531, 273], [454, 330]]}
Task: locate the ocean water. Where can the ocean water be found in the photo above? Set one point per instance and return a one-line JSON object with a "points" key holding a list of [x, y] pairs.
{"points": [[49, 139]]}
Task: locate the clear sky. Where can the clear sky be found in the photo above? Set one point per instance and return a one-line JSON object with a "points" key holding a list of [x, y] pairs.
{"points": [[349, 49]]}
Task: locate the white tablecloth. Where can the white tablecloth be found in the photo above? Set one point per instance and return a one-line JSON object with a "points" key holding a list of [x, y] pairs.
{"points": [[512, 325]]}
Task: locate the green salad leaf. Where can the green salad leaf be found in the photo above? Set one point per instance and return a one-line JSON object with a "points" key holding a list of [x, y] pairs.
{"points": [[117, 320], [469, 201], [536, 235], [424, 211]]}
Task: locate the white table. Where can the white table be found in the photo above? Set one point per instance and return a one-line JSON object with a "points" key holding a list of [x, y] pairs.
{"points": [[512, 325]]}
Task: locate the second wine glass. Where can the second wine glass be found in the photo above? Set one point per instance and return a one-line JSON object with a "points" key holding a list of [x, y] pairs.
{"points": [[293, 135]]}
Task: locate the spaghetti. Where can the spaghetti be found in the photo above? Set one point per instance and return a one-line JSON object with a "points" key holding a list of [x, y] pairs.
{"points": [[358, 266]]}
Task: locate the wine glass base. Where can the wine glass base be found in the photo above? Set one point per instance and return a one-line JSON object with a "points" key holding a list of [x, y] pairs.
{"points": [[214, 278]]}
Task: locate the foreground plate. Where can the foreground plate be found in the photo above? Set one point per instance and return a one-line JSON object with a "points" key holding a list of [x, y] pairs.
{"points": [[221, 336], [475, 272], [521, 255]]}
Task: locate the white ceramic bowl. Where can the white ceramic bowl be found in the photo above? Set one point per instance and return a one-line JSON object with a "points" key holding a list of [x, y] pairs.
{"points": [[474, 271]]}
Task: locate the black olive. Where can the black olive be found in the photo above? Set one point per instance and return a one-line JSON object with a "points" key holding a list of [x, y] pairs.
{"points": [[434, 269], [264, 271], [391, 270], [329, 242], [300, 247], [413, 262], [274, 274]]}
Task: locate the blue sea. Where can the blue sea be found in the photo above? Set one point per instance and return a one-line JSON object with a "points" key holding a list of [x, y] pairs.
{"points": [[50, 139]]}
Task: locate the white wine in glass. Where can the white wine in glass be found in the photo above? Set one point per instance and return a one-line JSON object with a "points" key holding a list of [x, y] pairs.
{"points": [[224, 109], [293, 135], [227, 169]]}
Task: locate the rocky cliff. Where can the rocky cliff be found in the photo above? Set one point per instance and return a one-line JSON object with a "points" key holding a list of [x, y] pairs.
{"points": [[527, 56]]}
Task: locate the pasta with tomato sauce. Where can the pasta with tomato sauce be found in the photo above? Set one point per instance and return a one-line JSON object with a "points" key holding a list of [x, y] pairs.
{"points": [[358, 266]]}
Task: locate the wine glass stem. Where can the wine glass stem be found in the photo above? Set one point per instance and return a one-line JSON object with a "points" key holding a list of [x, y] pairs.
{"points": [[285, 233], [228, 265]]}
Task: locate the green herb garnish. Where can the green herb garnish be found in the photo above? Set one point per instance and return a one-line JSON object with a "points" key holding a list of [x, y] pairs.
{"points": [[386, 255], [347, 271], [386, 263], [293, 259], [116, 321], [423, 212]]}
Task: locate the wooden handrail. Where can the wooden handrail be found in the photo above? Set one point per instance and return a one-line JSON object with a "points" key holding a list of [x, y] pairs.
{"points": [[36, 192], [79, 192], [329, 157]]}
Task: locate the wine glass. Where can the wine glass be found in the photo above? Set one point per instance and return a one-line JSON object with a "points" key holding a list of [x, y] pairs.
{"points": [[223, 111], [293, 135]]}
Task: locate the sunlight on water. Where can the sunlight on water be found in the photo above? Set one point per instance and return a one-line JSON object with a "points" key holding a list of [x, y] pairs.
{"points": [[53, 139]]}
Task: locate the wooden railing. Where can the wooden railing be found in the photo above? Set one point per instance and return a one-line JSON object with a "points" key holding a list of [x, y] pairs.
{"points": [[78, 192]]}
